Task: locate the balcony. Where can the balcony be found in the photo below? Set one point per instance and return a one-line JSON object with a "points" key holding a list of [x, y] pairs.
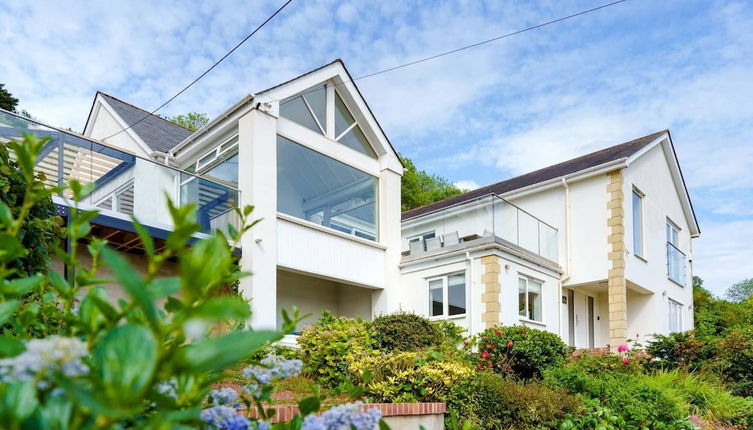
{"points": [[489, 216], [676, 266], [125, 184]]}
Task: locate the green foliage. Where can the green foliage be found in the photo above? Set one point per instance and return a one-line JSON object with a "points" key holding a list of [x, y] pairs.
{"points": [[331, 344], [419, 188], [31, 247], [740, 291], [135, 364], [600, 364], [735, 362], [492, 402], [7, 101], [679, 350], [716, 317], [403, 331], [519, 351], [408, 376], [192, 120], [595, 417]]}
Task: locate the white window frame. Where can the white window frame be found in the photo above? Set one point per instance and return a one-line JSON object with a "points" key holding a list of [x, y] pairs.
{"points": [[215, 156], [445, 295], [113, 197], [672, 227], [640, 253], [525, 318], [677, 320]]}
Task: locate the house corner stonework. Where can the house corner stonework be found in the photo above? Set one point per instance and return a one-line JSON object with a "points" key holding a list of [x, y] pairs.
{"points": [[617, 285], [490, 297]]}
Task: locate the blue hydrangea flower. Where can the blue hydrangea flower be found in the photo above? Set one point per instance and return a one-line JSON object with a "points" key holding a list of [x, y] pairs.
{"points": [[344, 417], [223, 396], [273, 367], [224, 418], [51, 354]]}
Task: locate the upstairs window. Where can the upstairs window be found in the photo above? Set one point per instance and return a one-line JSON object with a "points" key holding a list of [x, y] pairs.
{"points": [[310, 109], [637, 223]]}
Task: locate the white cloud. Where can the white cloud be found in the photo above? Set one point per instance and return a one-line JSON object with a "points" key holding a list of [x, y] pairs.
{"points": [[723, 254], [467, 185]]}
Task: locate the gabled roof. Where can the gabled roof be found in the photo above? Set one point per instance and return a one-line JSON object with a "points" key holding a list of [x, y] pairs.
{"points": [[158, 133], [613, 153]]}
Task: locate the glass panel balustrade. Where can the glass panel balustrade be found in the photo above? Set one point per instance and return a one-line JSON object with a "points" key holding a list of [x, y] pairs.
{"points": [[124, 183], [676, 264], [484, 217]]}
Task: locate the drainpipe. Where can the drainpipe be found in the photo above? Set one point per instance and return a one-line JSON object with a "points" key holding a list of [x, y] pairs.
{"points": [[568, 257], [472, 297]]}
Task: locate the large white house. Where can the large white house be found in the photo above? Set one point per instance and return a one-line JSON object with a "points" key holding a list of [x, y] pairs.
{"points": [[595, 249]]}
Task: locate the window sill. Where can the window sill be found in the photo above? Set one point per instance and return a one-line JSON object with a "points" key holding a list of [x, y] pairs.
{"points": [[330, 231], [675, 282], [640, 257], [447, 318], [533, 322]]}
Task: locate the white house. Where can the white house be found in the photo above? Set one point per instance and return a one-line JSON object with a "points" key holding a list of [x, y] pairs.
{"points": [[596, 249]]}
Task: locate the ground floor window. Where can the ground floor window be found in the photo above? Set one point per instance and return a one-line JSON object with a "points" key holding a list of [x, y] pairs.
{"points": [[447, 295], [529, 298], [675, 316]]}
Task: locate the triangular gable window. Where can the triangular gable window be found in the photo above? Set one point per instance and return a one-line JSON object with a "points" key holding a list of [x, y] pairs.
{"points": [[310, 108], [348, 131]]}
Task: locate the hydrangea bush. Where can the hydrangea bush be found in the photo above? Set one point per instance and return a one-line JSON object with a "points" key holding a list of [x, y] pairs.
{"points": [[96, 364]]}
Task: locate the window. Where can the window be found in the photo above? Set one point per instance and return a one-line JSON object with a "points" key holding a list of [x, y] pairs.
{"points": [[121, 200], [675, 257], [309, 109], [220, 163], [675, 316], [529, 299], [447, 295], [637, 223], [319, 189]]}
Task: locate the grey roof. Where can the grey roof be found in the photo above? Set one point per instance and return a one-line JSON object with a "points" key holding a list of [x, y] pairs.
{"points": [[616, 152], [158, 133]]}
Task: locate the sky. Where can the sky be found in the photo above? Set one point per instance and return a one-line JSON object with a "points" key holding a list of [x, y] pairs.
{"points": [[476, 117]]}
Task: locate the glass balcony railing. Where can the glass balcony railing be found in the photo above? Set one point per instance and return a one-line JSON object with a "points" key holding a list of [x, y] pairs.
{"points": [[676, 264], [124, 183], [487, 216]]}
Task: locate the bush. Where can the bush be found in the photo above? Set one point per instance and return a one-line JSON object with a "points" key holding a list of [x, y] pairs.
{"points": [[599, 364], [679, 350], [408, 376], [520, 351], [493, 402], [735, 361], [404, 332], [331, 344], [628, 395]]}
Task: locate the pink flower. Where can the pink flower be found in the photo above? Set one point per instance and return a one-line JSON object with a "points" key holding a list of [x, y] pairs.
{"points": [[509, 344], [484, 354], [622, 348], [625, 361], [498, 333]]}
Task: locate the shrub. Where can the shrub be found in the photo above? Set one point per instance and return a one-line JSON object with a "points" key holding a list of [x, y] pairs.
{"points": [[520, 351], [331, 344], [703, 397], [735, 361], [599, 364], [627, 395], [492, 402], [404, 332], [408, 376], [679, 350], [277, 350]]}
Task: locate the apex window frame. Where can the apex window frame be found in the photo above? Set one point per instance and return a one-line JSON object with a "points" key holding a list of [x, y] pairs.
{"points": [[442, 285]]}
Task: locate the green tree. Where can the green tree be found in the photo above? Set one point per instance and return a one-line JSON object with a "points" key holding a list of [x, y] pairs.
{"points": [[420, 188], [740, 291], [7, 101], [192, 120]]}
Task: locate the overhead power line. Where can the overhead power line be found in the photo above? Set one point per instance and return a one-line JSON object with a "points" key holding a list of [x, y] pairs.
{"points": [[475, 45], [259, 27]]}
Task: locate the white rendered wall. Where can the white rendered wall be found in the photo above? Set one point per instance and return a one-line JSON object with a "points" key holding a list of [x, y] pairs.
{"points": [[650, 174], [105, 125]]}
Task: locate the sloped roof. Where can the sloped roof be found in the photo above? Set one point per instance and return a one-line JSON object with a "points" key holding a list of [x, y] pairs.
{"points": [[158, 133], [616, 152]]}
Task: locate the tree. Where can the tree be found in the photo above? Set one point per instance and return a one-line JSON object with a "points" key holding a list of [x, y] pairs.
{"points": [[192, 120], [7, 101], [419, 188], [740, 291]]}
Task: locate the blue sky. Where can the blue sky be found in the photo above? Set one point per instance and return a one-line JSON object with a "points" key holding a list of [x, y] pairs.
{"points": [[476, 117]]}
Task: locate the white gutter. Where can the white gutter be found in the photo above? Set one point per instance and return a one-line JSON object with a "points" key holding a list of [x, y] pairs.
{"points": [[580, 175]]}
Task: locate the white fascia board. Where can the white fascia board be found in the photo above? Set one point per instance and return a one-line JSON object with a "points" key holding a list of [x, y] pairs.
{"points": [[124, 126], [674, 169], [217, 124]]}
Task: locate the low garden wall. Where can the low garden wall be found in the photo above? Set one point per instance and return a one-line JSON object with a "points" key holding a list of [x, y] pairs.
{"points": [[399, 416]]}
